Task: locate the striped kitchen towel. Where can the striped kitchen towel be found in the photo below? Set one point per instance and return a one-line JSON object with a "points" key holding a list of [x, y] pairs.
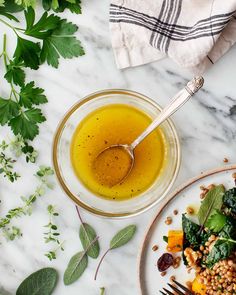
{"points": [[194, 33]]}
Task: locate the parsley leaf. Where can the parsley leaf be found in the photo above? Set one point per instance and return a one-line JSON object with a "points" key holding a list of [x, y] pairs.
{"points": [[30, 95], [43, 28], [8, 109], [61, 43], [25, 124], [60, 5], [216, 221], [27, 51], [15, 73]]}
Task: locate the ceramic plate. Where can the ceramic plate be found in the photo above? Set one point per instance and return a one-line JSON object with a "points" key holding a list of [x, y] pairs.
{"points": [[150, 278]]}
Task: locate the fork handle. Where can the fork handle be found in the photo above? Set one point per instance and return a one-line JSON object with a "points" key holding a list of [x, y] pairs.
{"points": [[176, 103]]}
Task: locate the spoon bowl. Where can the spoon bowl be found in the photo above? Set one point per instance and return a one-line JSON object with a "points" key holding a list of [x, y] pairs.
{"points": [[114, 164]]}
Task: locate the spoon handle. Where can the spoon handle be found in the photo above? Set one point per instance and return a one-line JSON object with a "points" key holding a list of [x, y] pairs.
{"points": [[177, 102]]}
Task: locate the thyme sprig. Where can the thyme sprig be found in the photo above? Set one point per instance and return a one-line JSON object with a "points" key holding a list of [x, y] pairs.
{"points": [[26, 208], [6, 167], [52, 234]]}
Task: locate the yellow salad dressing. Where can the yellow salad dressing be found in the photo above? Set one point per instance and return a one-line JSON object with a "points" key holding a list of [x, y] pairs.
{"points": [[117, 124]]}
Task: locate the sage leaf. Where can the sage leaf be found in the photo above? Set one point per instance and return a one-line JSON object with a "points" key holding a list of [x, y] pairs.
{"points": [[213, 201], [123, 237], [87, 235], [77, 265], [40, 282]]}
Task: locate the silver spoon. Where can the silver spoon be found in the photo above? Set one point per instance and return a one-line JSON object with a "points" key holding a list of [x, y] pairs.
{"points": [[121, 156]]}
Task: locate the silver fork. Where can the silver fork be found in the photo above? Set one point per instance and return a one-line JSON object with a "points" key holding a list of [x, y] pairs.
{"points": [[177, 290]]}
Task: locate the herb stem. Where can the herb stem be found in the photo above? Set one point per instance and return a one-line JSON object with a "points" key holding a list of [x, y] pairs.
{"points": [[5, 50], [100, 262], [80, 218], [8, 25], [5, 58]]}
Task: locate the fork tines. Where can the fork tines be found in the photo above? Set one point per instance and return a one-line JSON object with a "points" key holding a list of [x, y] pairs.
{"points": [[177, 290]]}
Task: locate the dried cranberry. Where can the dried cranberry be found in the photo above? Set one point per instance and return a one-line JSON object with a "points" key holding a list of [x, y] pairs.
{"points": [[165, 261]]}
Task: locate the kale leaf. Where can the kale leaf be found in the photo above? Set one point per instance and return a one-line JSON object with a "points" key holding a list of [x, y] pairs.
{"points": [[224, 245], [229, 199], [191, 231], [193, 236]]}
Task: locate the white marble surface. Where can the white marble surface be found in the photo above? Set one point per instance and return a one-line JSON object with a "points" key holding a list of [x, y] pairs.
{"points": [[206, 126]]}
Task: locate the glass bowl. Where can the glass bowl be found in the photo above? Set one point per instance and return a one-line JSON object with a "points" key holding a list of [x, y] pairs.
{"points": [[72, 185]]}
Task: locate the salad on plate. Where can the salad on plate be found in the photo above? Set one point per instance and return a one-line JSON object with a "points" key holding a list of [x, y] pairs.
{"points": [[206, 243]]}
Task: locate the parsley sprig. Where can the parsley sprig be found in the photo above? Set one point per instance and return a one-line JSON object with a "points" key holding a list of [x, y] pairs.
{"points": [[56, 5], [51, 37], [52, 234]]}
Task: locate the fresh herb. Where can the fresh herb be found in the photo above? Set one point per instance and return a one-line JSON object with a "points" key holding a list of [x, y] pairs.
{"points": [[216, 221], [18, 109], [41, 282], [42, 175], [56, 5], [12, 233], [79, 262], [102, 291], [19, 146], [213, 201], [52, 234], [61, 5], [16, 146], [6, 167], [229, 200], [225, 244], [87, 234], [119, 240], [77, 265], [51, 38]]}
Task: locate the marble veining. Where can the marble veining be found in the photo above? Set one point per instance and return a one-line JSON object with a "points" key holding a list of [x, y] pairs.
{"points": [[206, 126]]}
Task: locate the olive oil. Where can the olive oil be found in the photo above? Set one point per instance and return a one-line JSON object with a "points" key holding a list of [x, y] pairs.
{"points": [[111, 125]]}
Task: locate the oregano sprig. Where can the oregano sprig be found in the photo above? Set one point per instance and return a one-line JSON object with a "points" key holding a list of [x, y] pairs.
{"points": [[52, 234], [119, 240]]}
